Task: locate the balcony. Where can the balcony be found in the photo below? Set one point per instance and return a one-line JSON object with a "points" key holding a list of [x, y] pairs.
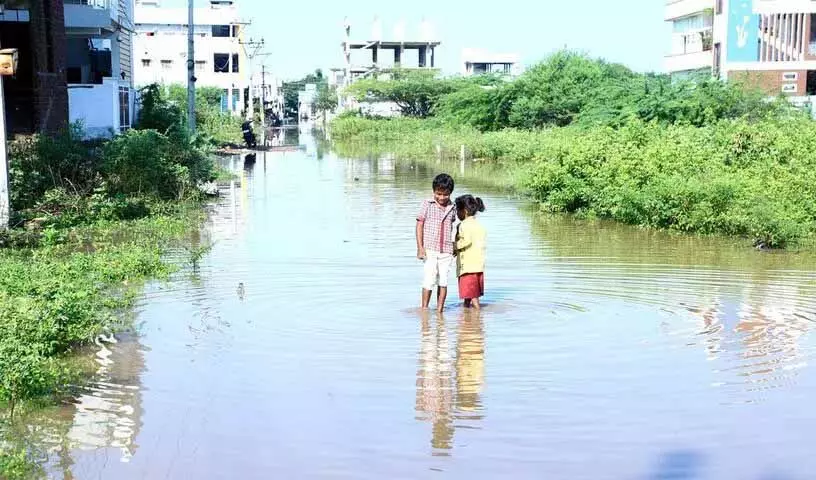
{"points": [[91, 14], [683, 8], [689, 61]]}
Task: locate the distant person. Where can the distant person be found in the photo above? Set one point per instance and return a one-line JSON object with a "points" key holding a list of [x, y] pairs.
{"points": [[434, 236], [470, 250], [249, 135]]}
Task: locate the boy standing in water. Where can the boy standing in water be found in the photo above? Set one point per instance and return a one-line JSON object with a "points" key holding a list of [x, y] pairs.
{"points": [[434, 235]]}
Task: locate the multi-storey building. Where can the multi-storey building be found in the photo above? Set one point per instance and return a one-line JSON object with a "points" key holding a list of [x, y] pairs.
{"points": [[160, 49], [75, 65], [766, 43]]}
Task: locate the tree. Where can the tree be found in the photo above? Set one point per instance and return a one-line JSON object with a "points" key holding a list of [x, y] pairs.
{"points": [[326, 100], [415, 92]]}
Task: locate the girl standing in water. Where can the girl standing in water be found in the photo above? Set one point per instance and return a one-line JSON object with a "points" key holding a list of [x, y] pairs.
{"points": [[470, 250]]}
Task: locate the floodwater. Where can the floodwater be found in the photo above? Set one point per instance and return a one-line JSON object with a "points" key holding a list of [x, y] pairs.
{"points": [[295, 350]]}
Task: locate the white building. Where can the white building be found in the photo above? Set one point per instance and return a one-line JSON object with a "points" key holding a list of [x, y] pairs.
{"points": [[477, 62], [697, 30], [160, 49], [99, 66]]}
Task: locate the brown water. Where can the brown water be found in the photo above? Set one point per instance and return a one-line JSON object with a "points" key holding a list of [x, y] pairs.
{"points": [[295, 351]]}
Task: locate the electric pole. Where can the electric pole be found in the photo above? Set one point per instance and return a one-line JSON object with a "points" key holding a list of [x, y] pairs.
{"points": [[251, 48], [191, 120], [5, 209]]}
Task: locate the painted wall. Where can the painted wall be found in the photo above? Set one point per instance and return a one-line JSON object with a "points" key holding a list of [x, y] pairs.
{"points": [[743, 32]]}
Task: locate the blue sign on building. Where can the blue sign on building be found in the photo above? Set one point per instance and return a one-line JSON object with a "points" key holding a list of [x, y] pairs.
{"points": [[743, 32]]}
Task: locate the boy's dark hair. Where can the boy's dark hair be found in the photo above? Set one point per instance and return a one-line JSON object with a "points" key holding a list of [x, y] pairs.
{"points": [[470, 204], [443, 182]]}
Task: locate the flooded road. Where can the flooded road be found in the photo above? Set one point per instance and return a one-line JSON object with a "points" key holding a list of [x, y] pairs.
{"points": [[295, 350]]}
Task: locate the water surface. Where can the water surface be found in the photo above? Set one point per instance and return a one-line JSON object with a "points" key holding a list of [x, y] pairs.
{"points": [[296, 351]]}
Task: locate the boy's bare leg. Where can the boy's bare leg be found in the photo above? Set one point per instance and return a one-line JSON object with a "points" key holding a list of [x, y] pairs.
{"points": [[426, 298], [440, 298], [475, 303]]}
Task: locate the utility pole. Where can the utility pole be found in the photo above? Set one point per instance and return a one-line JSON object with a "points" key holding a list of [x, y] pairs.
{"points": [[5, 203], [263, 97], [251, 48], [5, 209], [191, 120]]}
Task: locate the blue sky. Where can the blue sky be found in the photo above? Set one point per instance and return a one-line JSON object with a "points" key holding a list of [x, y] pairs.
{"points": [[304, 35]]}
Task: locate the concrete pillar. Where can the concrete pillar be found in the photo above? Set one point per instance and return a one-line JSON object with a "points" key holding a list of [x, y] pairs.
{"points": [[423, 57], [397, 56]]}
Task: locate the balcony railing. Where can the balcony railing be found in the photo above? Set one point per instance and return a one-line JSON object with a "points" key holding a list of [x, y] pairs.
{"points": [[105, 4]]}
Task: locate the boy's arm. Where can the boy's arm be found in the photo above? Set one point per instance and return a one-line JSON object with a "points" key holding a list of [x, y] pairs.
{"points": [[420, 231], [420, 239]]}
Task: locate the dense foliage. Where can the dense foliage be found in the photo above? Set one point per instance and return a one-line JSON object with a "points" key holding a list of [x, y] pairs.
{"points": [[164, 109], [734, 177], [566, 89]]}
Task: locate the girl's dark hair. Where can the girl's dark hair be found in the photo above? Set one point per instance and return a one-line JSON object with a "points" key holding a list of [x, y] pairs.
{"points": [[470, 204], [443, 182]]}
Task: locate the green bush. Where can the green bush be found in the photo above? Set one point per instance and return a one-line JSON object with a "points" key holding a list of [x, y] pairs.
{"points": [[164, 109], [41, 163], [751, 178]]}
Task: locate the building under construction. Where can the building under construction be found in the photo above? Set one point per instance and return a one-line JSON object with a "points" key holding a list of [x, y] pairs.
{"points": [[366, 56]]}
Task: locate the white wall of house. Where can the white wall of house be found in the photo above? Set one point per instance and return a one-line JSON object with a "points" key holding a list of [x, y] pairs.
{"points": [[99, 108]]}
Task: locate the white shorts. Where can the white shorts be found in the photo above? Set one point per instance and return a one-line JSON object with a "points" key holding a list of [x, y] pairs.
{"points": [[437, 269]]}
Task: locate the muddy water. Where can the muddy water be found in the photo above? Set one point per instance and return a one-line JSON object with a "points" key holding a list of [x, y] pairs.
{"points": [[294, 350]]}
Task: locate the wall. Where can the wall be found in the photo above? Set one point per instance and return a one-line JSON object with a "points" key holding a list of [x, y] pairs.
{"points": [[169, 42], [770, 81], [96, 106]]}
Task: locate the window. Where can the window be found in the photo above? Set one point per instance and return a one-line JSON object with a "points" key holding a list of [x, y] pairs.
{"points": [[718, 6], [236, 98], [221, 31], [692, 23], [224, 100], [146, 62], [166, 64], [717, 59], [124, 109], [200, 65], [234, 63], [221, 62], [235, 31]]}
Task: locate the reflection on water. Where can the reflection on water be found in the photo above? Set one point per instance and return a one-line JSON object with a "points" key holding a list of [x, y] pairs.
{"points": [[449, 386], [613, 352]]}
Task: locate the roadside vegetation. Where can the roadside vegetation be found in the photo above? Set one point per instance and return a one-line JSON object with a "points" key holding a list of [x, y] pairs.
{"points": [[91, 222], [591, 138]]}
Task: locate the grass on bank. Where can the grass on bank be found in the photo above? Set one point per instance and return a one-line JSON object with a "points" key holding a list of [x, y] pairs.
{"points": [[91, 222], [752, 179]]}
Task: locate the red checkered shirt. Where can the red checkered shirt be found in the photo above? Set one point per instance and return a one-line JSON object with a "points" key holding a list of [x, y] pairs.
{"points": [[438, 229]]}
